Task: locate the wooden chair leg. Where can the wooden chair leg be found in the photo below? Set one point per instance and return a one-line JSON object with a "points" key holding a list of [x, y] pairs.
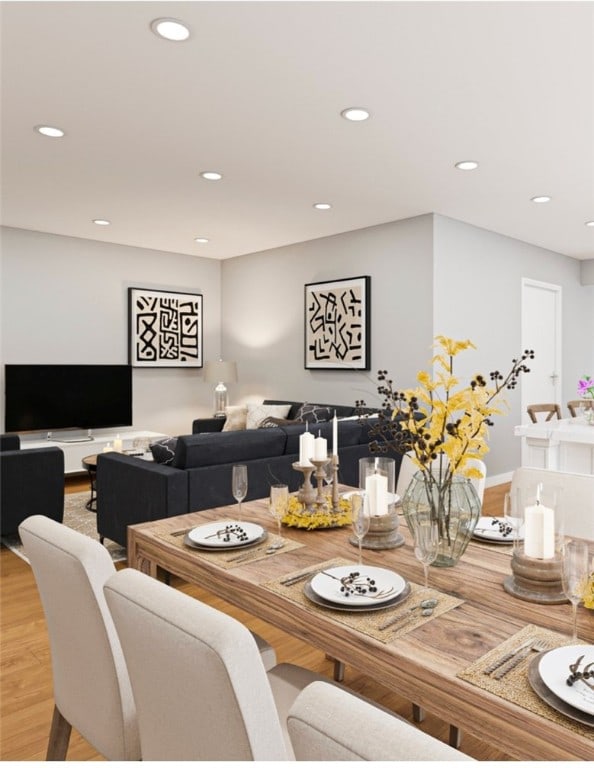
{"points": [[338, 671], [418, 713], [59, 737], [455, 737]]}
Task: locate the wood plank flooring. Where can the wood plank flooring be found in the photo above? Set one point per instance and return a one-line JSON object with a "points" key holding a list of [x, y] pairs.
{"points": [[26, 700]]}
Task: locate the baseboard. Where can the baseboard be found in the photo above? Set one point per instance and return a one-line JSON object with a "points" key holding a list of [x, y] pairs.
{"points": [[492, 480]]}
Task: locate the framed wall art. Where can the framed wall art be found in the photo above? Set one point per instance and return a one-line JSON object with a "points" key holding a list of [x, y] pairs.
{"points": [[165, 329], [337, 324]]}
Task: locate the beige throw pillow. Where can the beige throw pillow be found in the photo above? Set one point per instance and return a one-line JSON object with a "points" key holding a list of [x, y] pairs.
{"points": [[236, 418], [257, 413]]}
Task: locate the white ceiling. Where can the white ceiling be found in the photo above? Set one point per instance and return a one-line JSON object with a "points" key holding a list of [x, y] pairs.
{"points": [[256, 93]]}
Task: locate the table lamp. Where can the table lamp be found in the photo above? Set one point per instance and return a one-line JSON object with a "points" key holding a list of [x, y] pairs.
{"points": [[219, 372]]}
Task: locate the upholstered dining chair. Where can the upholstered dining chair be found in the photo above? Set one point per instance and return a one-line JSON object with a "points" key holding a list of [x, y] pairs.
{"points": [[92, 690], [200, 687], [550, 409], [328, 723]]}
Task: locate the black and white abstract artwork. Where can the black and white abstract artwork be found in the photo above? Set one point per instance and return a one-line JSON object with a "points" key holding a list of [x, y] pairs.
{"points": [[337, 324], [165, 329]]}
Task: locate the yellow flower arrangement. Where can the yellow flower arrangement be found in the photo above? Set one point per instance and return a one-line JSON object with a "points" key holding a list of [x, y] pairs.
{"points": [[589, 593], [297, 516]]}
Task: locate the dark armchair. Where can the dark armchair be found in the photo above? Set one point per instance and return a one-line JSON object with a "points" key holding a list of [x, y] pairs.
{"points": [[31, 483]]}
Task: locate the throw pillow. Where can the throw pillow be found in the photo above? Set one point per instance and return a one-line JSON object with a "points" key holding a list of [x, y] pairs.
{"points": [[257, 413], [273, 421], [314, 413], [164, 450], [236, 416]]}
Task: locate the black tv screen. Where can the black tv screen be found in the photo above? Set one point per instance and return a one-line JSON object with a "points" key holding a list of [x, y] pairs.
{"points": [[45, 397]]}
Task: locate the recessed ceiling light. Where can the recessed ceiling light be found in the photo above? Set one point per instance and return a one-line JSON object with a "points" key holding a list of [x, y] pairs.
{"points": [[590, 223], [211, 175], [102, 222], [467, 165], [322, 206], [201, 239], [170, 29], [541, 199], [356, 114], [50, 130]]}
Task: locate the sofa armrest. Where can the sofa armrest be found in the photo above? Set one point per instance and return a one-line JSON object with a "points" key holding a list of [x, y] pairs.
{"points": [[208, 425], [132, 490]]}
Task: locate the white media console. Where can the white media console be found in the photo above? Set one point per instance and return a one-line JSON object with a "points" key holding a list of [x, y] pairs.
{"points": [[76, 446]]}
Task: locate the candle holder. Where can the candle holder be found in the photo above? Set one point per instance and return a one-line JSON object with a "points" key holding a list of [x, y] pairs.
{"points": [[536, 558], [312, 499], [377, 478]]}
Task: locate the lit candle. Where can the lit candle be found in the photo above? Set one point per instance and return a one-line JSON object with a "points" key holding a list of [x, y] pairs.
{"points": [[539, 532], [376, 487], [306, 447], [117, 444], [320, 448], [335, 435]]}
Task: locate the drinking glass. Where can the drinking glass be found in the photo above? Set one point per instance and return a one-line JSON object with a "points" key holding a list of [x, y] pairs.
{"points": [[279, 500], [360, 518], [512, 519], [240, 485], [574, 574], [426, 543]]}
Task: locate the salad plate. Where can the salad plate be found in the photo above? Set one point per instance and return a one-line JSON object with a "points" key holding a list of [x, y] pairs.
{"points": [[352, 608], [359, 585], [496, 530], [553, 669], [225, 534], [546, 695]]}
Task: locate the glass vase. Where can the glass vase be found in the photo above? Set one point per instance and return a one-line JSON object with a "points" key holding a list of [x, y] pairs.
{"points": [[453, 503]]}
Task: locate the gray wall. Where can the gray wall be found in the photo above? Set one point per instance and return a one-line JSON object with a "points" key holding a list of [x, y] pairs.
{"points": [[64, 300]]}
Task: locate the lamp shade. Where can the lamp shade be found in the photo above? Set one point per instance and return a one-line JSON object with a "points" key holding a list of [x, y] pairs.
{"points": [[220, 370]]}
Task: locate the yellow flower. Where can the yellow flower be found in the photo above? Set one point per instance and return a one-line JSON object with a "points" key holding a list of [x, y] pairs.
{"points": [[589, 593]]}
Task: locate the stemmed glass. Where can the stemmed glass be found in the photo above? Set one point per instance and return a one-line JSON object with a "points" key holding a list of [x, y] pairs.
{"points": [[513, 521], [240, 485], [279, 500], [426, 543], [574, 575], [360, 518]]}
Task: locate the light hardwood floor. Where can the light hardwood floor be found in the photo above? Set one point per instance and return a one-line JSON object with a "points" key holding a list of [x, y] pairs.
{"points": [[25, 668]]}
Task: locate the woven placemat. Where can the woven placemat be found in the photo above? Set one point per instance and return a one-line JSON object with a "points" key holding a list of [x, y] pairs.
{"points": [[515, 687], [369, 622], [227, 559]]}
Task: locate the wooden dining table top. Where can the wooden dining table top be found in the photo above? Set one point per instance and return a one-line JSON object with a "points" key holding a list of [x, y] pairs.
{"points": [[423, 664]]}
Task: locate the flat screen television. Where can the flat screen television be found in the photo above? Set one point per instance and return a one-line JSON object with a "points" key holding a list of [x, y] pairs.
{"points": [[47, 397]]}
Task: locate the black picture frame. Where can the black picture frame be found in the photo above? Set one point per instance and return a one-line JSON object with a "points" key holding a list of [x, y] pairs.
{"points": [[164, 329], [338, 324]]}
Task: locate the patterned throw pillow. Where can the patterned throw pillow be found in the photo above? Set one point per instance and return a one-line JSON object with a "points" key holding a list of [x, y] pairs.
{"points": [[164, 450], [313, 414], [257, 413], [273, 421], [236, 416]]}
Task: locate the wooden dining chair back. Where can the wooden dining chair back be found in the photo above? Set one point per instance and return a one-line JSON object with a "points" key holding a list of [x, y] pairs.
{"points": [[92, 690], [327, 723], [573, 406], [201, 689], [550, 409]]}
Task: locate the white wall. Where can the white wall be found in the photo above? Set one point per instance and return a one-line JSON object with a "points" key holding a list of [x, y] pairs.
{"points": [[64, 300]]}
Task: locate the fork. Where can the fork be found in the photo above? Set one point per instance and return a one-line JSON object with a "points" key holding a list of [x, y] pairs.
{"points": [[537, 645]]}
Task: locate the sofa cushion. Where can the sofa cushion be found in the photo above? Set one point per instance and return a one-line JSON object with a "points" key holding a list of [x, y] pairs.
{"points": [[164, 450], [210, 448], [314, 413], [340, 410], [349, 433], [256, 413]]}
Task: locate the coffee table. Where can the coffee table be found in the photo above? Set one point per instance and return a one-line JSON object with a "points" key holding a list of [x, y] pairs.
{"points": [[421, 665]]}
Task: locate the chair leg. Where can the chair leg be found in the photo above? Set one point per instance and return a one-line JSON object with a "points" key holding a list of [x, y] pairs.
{"points": [[59, 737], [338, 671], [418, 713], [455, 737]]}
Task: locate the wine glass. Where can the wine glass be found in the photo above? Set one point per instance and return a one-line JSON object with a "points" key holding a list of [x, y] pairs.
{"points": [[360, 518], [240, 485], [279, 500], [512, 519], [574, 575], [426, 543]]}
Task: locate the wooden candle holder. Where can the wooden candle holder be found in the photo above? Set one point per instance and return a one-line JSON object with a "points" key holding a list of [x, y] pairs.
{"points": [[535, 580]]}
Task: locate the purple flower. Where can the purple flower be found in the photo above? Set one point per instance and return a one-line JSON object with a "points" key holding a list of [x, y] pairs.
{"points": [[586, 386]]}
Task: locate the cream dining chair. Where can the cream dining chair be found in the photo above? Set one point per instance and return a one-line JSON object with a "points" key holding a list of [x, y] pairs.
{"points": [[201, 689], [328, 723]]}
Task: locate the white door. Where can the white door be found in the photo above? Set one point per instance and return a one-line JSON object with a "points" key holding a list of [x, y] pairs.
{"points": [[541, 331]]}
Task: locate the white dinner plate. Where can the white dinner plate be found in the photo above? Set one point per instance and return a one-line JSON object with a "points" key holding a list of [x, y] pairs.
{"points": [[225, 533], [554, 671], [487, 529], [389, 585], [393, 498]]}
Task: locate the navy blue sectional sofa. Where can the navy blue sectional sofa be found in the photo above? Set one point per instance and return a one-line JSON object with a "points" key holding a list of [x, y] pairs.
{"points": [[130, 490]]}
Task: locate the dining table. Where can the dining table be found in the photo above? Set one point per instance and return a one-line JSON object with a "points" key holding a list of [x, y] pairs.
{"points": [[438, 661]]}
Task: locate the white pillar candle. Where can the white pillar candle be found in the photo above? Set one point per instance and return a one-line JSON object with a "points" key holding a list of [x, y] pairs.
{"points": [[376, 487], [306, 448], [539, 532], [335, 435], [117, 444], [320, 448]]}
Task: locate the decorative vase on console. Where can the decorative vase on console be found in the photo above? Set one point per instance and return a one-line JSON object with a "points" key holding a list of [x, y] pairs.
{"points": [[444, 429], [586, 390]]}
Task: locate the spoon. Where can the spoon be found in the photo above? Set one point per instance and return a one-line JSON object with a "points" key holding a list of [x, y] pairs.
{"points": [[426, 606]]}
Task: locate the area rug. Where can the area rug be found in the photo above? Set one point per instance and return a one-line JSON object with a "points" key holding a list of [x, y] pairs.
{"points": [[77, 517]]}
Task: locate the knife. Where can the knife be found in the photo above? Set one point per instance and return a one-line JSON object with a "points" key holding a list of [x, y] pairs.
{"points": [[505, 658], [511, 664], [290, 580]]}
